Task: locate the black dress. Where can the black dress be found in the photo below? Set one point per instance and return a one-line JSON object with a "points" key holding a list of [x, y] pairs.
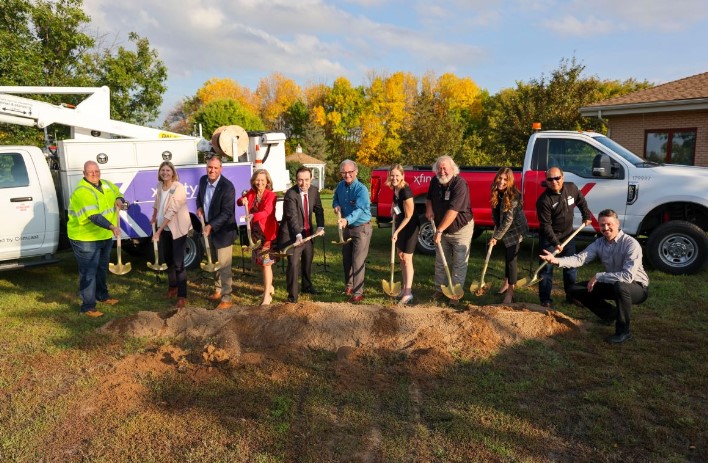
{"points": [[408, 237]]}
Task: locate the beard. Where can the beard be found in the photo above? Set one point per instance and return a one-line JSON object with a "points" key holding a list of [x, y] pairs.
{"points": [[444, 179]]}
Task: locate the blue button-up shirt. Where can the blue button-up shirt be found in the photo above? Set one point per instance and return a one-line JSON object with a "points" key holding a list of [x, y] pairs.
{"points": [[353, 200]]}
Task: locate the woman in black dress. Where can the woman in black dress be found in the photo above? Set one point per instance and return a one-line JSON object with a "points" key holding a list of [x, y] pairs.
{"points": [[406, 234]]}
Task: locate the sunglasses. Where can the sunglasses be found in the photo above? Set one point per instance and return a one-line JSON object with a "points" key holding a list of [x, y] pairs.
{"points": [[551, 179]]}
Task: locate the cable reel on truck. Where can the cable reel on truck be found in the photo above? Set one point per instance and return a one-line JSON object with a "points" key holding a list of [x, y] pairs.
{"points": [[231, 141]]}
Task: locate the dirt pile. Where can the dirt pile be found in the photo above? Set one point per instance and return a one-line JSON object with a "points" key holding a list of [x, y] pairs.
{"points": [[478, 330]]}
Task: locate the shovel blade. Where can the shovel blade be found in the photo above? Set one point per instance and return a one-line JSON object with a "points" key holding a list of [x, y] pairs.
{"points": [[392, 289], [120, 269], [207, 267], [157, 267], [453, 291], [533, 281], [479, 289]]}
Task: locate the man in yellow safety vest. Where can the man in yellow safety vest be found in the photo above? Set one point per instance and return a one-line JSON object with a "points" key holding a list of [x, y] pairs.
{"points": [[91, 228]]}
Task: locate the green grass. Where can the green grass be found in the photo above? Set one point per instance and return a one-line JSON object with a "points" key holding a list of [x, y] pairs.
{"points": [[572, 399]]}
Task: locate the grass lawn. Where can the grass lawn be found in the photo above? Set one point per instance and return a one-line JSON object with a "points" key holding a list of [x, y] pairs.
{"points": [[571, 398]]}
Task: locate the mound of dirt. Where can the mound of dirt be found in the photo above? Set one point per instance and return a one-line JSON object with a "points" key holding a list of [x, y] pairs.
{"points": [[428, 331]]}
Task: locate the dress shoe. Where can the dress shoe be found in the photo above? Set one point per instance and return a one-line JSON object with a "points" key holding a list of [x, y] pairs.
{"points": [[171, 292], [267, 299], [93, 313], [356, 299], [547, 305], [311, 291], [215, 297], [405, 300], [109, 301], [224, 305], [619, 338], [181, 302], [348, 291], [573, 301], [292, 300]]}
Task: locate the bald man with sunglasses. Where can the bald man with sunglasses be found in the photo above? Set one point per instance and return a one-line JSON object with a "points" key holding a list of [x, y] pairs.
{"points": [[555, 208]]}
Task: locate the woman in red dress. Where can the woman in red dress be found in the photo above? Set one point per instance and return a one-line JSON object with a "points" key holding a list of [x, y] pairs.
{"points": [[264, 226]]}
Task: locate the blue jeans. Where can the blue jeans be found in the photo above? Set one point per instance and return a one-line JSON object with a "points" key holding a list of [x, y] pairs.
{"points": [[569, 274], [93, 258]]}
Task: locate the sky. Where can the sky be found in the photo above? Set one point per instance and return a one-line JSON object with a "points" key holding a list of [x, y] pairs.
{"points": [[495, 43]]}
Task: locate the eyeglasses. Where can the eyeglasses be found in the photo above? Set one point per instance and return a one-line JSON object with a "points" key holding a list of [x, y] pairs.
{"points": [[551, 179], [348, 172]]}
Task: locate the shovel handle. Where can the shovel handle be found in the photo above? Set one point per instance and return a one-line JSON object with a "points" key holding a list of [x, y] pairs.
{"points": [[486, 263], [206, 241], [556, 252], [442, 255]]}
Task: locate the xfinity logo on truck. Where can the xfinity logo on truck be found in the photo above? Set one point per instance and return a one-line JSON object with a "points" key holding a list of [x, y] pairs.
{"points": [[191, 191], [421, 179]]}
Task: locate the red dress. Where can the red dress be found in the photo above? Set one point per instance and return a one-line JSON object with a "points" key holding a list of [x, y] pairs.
{"points": [[264, 226]]}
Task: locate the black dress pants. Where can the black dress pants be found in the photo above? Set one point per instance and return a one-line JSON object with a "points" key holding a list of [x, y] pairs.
{"points": [[624, 295]]}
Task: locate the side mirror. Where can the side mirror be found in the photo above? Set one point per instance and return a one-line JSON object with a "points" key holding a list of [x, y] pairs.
{"points": [[602, 166]]}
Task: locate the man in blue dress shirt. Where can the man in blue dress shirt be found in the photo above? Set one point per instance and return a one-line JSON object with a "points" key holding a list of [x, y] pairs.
{"points": [[351, 200]]}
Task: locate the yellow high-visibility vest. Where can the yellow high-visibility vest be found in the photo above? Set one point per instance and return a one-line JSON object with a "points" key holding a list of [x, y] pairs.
{"points": [[86, 201]]}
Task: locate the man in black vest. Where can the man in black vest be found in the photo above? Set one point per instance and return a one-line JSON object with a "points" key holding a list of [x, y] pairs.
{"points": [[216, 202], [298, 205]]}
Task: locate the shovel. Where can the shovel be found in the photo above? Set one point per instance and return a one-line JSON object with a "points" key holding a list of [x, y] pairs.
{"points": [[251, 245], [480, 288], [207, 266], [157, 266], [341, 232], [451, 291], [119, 268], [535, 279], [390, 287], [284, 252]]}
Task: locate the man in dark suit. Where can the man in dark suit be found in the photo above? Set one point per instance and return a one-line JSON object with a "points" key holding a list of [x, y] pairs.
{"points": [[299, 203], [216, 201]]}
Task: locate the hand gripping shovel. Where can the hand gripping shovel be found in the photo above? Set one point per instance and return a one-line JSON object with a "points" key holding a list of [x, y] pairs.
{"points": [[535, 279], [251, 245], [480, 288], [389, 287], [341, 232], [451, 291], [284, 252], [207, 266], [120, 268], [157, 266]]}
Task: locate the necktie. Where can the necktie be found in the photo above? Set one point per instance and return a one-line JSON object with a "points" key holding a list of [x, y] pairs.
{"points": [[306, 215]]}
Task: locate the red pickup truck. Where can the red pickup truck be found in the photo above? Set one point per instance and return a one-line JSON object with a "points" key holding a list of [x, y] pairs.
{"points": [[479, 180], [664, 206]]}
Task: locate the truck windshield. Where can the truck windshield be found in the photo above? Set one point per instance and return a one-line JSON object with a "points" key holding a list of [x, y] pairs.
{"points": [[621, 150]]}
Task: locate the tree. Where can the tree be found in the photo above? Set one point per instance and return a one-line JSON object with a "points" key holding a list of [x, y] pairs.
{"points": [[226, 112], [314, 141], [277, 94], [44, 44], [295, 119], [220, 89], [554, 101]]}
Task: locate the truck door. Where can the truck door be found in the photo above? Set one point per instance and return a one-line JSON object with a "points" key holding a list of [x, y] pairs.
{"points": [[575, 157], [21, 206]]}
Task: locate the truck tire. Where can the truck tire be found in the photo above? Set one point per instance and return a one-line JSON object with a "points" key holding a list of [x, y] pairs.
{"points": [[426, 245], [193, 250], [677, 247]]}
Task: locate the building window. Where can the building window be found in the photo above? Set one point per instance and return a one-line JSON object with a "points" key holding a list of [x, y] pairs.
{"points": [[670, 146]]}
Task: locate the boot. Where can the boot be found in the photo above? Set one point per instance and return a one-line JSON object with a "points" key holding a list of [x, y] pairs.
{"points": [[181, 302], [171, 292]]}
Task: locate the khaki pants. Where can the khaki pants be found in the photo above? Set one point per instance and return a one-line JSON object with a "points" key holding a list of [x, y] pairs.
{"points": [[456, 247], [224, 274]]}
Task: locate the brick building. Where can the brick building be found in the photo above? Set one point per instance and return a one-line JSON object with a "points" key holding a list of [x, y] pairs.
{"points": [[667, 123]]}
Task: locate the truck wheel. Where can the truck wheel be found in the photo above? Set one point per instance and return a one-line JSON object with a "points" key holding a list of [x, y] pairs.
{"points": [[678, 247], [193, 251], [426, 245]]}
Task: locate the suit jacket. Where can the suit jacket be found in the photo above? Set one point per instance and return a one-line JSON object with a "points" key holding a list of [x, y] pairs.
{"points": [[264, 215], [293, 222], [221, 211]]}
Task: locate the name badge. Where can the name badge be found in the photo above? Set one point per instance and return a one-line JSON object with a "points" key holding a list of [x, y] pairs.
{"points": [[447, 195], [396, 210], [571, 200]]}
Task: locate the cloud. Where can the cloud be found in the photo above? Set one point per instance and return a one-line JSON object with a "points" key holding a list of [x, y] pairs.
{"points": [[572, 26]]}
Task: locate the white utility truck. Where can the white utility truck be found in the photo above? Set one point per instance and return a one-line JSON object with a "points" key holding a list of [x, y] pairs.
{"points": [[35, 186]]}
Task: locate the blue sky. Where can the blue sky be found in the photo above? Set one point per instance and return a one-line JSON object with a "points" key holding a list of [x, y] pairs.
{"points": [[496, 43]]}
